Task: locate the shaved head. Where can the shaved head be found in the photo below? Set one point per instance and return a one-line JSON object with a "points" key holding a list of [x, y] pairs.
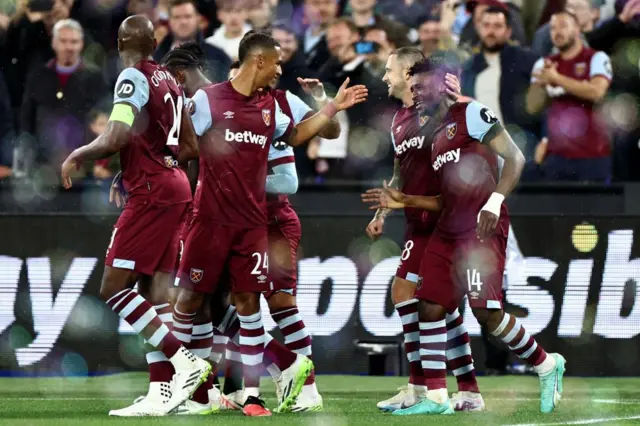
{"points": [[135, 35]]}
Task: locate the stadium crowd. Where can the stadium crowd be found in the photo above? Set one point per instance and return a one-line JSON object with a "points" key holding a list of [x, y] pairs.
{"points": [[574, 118]]}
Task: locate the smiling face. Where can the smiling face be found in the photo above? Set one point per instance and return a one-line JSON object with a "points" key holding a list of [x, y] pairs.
{"points": [[394, 77], [427, 89]]}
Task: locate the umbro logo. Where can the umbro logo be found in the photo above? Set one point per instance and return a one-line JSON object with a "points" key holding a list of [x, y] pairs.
{"points": [[262, 278], [229, 115]]}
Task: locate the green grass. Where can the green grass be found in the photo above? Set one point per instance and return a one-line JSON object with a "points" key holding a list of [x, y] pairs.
{"points": [[349, 400]]}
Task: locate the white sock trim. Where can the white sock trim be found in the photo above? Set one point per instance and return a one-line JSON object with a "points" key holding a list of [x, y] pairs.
{"points": [[405, 303], [503, 324]]}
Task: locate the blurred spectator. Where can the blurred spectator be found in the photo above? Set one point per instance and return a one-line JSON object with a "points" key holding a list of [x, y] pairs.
{"points": [[470, 33], [586, 11], [408, 12], [233, 14], [183, 24], [98, 121], [318, 14], [382, 48], [7, 133], [499, 75], [259, 13], [27, 45], [429, 35], [363, 15], [58, 95], [293, 61], [573, 82]]}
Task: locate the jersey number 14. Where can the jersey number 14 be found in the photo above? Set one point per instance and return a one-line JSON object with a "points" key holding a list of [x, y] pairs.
{"points": [[174, 132]]}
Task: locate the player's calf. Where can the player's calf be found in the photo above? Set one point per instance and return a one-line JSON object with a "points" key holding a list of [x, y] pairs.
{"points": [[550, 367], [459, 359]]}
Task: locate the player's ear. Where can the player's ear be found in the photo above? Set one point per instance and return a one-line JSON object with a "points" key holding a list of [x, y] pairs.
{"points": [[260, 61]]}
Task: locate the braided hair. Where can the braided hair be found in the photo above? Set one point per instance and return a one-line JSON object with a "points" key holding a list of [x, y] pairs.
{"points": [[186, 56]]}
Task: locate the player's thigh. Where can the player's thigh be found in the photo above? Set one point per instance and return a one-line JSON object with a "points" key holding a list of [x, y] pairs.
{"points": [[205, 255], [284, 239], [249, 262], [143, 237], [437, 280], [480, 271]]}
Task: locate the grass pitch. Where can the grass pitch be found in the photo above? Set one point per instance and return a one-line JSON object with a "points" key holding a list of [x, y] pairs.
{"points": [[349, 400]]}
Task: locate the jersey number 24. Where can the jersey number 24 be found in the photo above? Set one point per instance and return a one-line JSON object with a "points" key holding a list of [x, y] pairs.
{"points": [[174, 132]]}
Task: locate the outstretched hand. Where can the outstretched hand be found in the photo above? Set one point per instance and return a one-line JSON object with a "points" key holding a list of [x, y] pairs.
{"points": [[311, 86], [384, 198], [350, 96], [69, 164]]}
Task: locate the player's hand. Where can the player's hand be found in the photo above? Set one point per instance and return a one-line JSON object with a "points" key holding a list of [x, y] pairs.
{"points": [[383, 198], [631, 9], [350, 96], [487, 223], [375, 227], [548, 74], [541, 151], [117, 192], [452, 86], [312, 86], [69, 164]]}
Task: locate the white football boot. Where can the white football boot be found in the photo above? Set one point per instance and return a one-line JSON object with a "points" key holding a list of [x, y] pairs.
{"points": [[467, 401], [153, 404], [406, 397], [291, 383], [232, 401], [308, 400], [191, 373]]}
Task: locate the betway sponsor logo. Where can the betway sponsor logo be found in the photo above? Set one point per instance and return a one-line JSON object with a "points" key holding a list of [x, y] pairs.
{"points": [[447, 157], [50, 314], [245, 136], [415, 142]]}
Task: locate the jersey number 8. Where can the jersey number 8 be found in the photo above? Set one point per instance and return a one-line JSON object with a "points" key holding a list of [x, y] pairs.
{"points": [[174, 132]]}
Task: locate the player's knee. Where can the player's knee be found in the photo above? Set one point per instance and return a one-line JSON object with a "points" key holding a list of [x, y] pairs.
{"points": [[429, 311], [402, 290], [247, 303], [488, 317], [280, 300], [114, 281], [189, 301]]}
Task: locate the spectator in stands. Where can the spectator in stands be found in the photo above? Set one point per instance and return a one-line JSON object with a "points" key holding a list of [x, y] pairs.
{"points": [[470, 33], [260, 13], [183, 24], [98, 121], [318, 14], [586, 11], [27, 45], [233, 14], [499, 75], [572, 82], [58, 96], [293, 61], [377, 60], [363, 14], [7, 133], [429, 34], [408, 12]]}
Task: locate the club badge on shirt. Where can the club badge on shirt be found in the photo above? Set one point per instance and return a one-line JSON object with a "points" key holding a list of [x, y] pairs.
{"points": [[266, 116], [196, 275], [451, 130], [580, 69]]}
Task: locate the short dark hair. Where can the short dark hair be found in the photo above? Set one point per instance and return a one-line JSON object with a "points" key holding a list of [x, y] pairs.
{"points": [[346, 21], [186, 56], [497, 9], [567, 12], [176, 3], [256, 40], [234, 65], [283, 25], [431, 64], [408, 56]]}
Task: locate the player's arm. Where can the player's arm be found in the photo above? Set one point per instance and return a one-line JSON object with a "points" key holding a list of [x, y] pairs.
{"points": [[483, 125], [284, 179], [131, 94], [391, 198], [537, 97], [395, 183], [315, 88], [188, 140], [345, 98], [595, 88]]}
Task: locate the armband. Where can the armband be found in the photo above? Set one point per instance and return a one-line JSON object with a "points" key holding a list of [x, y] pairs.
{"points": [[123, 113]]}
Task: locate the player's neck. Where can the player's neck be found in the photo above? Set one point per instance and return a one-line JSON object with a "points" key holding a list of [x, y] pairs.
{"points": [[244, 82], [572, 52], [129, 59], [407, 99]]}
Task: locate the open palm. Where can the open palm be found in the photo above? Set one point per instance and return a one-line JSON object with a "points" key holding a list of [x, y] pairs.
{"points": [[350, 96]]}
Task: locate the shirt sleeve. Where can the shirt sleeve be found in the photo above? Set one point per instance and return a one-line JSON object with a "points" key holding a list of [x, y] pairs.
{"points": [[132, 88], [481, 121], [284, 179], [283, 123], [601, 66], [537, 66], [200, 112], [299, 109]]}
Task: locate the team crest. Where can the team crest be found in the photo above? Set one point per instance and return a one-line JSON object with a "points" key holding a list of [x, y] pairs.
{"points": [[419, 283], [580, 69], [423, 120], [196, 275], [191, 107], [451, 130], [266, 116]]}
